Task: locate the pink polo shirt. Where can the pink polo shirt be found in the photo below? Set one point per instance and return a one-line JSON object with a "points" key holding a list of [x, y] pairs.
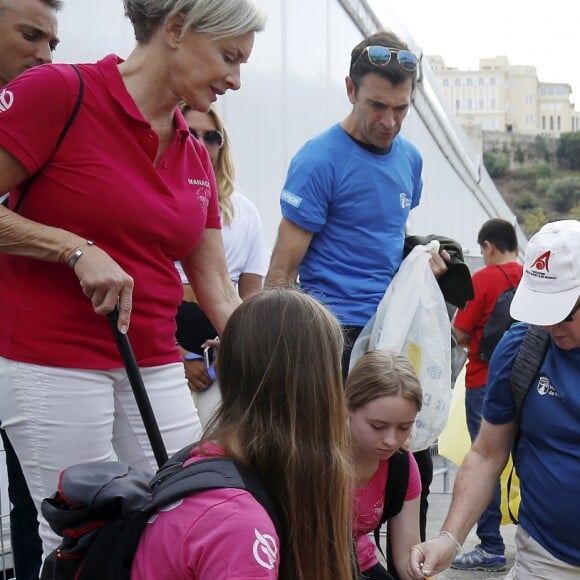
{"points": [[221, 534], [102, 184], [369, 505]]}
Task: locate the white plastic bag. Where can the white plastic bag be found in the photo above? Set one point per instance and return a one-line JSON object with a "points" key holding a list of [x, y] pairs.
{"points": [[412, 319]]}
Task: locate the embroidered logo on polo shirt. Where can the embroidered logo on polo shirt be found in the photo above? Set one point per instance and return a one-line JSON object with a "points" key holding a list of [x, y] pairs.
{"points": [[202, 191], [291, 198], [545, 388], [202, 182], [265, 550], [6, 100], [404, 200]]}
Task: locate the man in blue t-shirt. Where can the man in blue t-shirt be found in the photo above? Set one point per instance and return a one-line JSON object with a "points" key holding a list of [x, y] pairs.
{"points": [[547, 458], [349, 191], [347, 198]]}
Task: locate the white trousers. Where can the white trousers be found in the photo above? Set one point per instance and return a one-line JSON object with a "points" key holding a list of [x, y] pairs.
{"points": [[533, 562], [57, 417]]}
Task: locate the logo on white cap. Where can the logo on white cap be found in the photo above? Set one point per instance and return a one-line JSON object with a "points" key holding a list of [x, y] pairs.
{"points": [[540, 267], [543, 262]]}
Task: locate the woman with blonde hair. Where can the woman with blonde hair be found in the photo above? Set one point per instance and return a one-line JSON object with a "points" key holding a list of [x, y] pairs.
{"points": [[97, 220], [244, 251], [283, 416], [383, 397]]}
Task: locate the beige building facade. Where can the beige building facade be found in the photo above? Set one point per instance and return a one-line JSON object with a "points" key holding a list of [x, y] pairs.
{"points": [[506, 98]]}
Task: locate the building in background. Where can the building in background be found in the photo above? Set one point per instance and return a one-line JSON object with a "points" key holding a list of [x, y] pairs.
{"points": [[506, 98]]}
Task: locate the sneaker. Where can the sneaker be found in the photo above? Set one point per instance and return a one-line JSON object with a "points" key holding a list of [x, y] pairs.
{"points": [[479, 559]]}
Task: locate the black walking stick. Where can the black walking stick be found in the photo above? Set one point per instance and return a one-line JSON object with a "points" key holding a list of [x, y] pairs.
{"points": [[143, 402]]}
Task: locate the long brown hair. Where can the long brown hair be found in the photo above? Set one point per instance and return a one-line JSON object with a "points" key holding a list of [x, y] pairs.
{"points": [[283, 413]]}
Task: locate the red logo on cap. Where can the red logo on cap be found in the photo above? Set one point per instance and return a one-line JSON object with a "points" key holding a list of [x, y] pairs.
{"points": [[543, 262]]}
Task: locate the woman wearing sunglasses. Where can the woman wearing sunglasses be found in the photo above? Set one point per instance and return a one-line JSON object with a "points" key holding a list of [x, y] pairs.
{"points": [[244, 250]]}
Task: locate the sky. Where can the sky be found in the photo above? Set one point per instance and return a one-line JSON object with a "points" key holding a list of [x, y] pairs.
{"points": [[462, 32]]}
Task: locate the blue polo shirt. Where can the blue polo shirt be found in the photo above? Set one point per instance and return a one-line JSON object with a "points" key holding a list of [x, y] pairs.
{"points": [[548, 454]]}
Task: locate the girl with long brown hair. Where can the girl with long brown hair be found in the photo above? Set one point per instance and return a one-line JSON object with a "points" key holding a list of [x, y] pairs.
{"points": [[283, 415]]}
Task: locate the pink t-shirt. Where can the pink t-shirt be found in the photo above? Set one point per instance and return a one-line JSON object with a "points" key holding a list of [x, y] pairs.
{"points": [[369, 505], [221, 534], [104, 185]]}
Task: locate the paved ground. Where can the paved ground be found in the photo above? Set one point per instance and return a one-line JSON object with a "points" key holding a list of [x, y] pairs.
{"points": [[438, 506]]}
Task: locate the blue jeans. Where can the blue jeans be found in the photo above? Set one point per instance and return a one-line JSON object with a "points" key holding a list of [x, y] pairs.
{"points": [[26, 544], [490, 521]]}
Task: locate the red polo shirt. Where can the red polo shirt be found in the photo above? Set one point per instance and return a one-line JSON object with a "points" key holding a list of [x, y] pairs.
{"points": [[103, 185]]}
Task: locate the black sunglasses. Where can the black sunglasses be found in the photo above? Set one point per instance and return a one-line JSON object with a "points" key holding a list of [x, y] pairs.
{"points": [[381, 56], [210, 138], [570, 317]]}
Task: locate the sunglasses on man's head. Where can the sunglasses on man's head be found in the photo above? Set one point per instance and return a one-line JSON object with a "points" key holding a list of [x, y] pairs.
{"points": [[381, 56], [210, 138]]}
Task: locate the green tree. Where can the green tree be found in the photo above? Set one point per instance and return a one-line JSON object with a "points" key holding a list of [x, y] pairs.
{"points": [[526, 201], [574, 213], [568, 151], [542, 185], [543, 170], [496, 165], [534, 220], [564, 193], [540, 148]]}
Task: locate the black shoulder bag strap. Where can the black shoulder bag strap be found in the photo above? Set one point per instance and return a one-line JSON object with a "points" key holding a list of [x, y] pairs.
{"points": [[62, 135], [395, 490], [527, 363]]}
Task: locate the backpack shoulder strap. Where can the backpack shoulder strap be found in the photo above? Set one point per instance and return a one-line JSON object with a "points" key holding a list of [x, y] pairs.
{"points": [[526, 365], [395, 490], [175, 482], [506, 276], [62, 135]]}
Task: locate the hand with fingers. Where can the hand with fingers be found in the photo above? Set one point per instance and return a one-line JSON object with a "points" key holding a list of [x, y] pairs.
{"points": [[196, 374], [438, 263], [104, 282], [433, 556]]}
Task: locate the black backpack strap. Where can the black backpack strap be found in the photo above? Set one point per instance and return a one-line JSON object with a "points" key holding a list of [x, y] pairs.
{"points": [[527, 363], [174, 482], [525, 368], [62, 135], [512, 285], [395, 490]]}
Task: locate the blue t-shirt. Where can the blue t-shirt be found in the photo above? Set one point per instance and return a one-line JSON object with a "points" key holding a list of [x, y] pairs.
{"points": [[548, 453], [356, 203]]}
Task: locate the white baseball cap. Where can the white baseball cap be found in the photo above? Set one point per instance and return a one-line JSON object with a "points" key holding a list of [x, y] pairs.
{"points": [[550, 286]]}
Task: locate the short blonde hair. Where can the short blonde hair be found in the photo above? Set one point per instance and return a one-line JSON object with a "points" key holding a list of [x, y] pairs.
{"points": [[220, 18]]}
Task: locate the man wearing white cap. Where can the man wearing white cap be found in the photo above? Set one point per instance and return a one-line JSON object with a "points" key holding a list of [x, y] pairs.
{"points": [[548, 430]]}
